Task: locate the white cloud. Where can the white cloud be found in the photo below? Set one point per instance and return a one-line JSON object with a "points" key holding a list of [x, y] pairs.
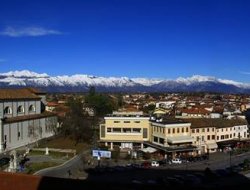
{"points": [[28, 31], [244, 72]]}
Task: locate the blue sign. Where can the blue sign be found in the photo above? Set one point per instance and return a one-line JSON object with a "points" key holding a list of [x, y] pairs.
{"points": [[101, 153]]}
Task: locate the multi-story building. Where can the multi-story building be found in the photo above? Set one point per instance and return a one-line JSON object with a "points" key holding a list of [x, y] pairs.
{"points": [[207, 133], [171, 136], [125, 129], [23, 119]]}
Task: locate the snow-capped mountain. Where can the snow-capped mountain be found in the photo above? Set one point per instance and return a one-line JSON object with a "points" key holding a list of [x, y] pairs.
{"points": [[79, 82]]}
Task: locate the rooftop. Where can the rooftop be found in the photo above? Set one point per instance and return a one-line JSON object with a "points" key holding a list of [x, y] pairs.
{"points": [[168, 120], [218, 123], [22, 93], [127, 114]]}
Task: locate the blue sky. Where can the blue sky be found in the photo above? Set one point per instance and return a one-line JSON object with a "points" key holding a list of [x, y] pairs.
{"points": [[134, 38]]}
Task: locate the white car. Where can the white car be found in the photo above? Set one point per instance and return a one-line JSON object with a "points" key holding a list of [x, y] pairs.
{"points": [[176, 161], [155, 164]]}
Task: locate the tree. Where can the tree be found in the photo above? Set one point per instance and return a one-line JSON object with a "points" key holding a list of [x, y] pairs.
{"points": [[149, 109], [76, 124], [120, 101], [101, 103]]}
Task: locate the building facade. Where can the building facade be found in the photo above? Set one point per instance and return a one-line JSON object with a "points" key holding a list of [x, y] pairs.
{"points": [[125, 129], [23, 119], [174, 137]]}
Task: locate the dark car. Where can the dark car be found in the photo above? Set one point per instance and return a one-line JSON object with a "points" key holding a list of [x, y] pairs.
{"points": [[146, 164], [4, 161]]}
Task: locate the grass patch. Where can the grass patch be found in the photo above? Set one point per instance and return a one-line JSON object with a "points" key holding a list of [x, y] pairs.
{"points": [[64, 143], [34, 167]]}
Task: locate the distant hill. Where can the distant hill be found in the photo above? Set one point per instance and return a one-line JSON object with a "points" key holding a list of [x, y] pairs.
{"points": [[81, 83]]}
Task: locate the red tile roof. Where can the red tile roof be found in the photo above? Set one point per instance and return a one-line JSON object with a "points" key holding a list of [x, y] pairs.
{"points": [[23, 93], [196, 111]]}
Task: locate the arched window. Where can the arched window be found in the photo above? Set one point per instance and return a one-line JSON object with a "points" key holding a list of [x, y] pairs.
{"points": [[32, 108], [20, 109], [7, 110]]}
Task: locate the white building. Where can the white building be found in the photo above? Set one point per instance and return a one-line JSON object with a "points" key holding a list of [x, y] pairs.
{"points": [[23, 119]]}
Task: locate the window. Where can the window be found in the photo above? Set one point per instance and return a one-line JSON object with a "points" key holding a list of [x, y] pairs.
{"points": [[222, 137], [178, 130], [174, 130], [32, 108], [169, 131], [145, 133], [109, 130], [137, 121], [116, 130], [193, 131], [103, 131], [7, 110], [230, 135], [197, 130], [207, 129], [226, 136], [116, 121], [213, 129], [161, 141], [197, 139], [187, 130], [20, 109], [126, 122], [221, 130], [30, 131], [203, 130], [234, 134], [136, 130], [218, 138], [126, 130], [213, 137], [182, 130], [18, 135], [155, 139], [208, 137], [202, 138]]}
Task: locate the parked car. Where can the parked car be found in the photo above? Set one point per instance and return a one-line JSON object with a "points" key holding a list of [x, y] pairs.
{"points": [[162, 162], [176, 161], [155, 164], [146, 164]]}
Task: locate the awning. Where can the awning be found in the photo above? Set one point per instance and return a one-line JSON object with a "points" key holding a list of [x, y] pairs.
{"points": [[180, 139], [149, 149], [212, 146]]}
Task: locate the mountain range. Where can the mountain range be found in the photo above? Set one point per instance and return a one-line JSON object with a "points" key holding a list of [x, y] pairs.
{"points": [[81, 83]]}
